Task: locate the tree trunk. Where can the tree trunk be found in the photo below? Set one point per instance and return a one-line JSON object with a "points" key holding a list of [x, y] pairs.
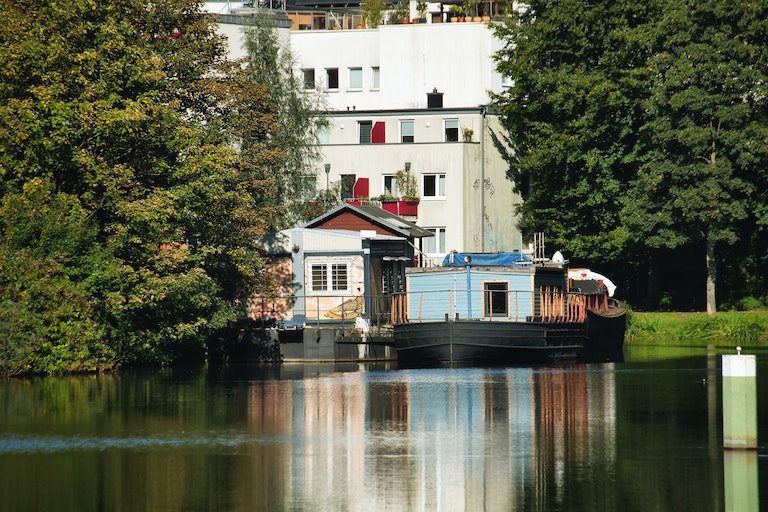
{"points": [[711, 274]]}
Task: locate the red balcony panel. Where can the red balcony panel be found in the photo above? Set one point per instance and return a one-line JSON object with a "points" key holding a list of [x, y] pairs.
{"points": [[401, 207], [360, 189]]}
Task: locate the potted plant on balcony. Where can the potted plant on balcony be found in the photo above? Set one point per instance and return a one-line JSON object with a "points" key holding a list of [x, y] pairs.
{"points": [[456, 12], [406, 183], [468, 134], [400, 13], [421, 8], [388, 202], [373, 12], [472, 13], [408, 201], [453, 13]]}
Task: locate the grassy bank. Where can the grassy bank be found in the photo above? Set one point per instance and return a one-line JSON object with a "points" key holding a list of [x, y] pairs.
{"points": [[741, 327]]}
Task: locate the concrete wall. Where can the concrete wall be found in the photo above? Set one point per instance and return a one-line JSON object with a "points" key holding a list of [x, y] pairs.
{"points": [[331, 344]]}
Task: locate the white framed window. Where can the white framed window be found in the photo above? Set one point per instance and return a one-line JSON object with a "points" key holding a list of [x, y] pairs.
{"points": [[433, 186], [451, 130], [308, 78], [322, 133], [390, 186], [332, 78], [375, 78], [364, 129], [329, 277], [406, 130], [435, 245], [495, 299], [356, 78]]}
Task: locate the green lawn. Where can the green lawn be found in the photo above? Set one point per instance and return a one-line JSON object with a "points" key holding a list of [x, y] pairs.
{"points": [[742, 327]]}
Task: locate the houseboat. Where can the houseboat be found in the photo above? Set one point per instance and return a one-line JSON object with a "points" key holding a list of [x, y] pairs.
{"points": [[492, 309]]}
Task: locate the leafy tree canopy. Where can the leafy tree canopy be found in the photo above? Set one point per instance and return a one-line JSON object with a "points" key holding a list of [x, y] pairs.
{"points": [[572, 112], [638, 127], [136, 211], [706, 128]]}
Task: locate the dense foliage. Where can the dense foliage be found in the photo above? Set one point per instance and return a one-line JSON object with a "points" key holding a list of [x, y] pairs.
{"points": [[641, 136], [294, 138], [129, 207]]}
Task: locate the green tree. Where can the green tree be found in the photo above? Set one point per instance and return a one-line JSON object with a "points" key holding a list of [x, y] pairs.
{"points": [[293, 147], [572, 114], [100, 105], [639, 131], [48, 253], [705, 130]]}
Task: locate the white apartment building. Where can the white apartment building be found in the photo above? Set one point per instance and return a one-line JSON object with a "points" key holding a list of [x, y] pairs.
{"points": [[413, 97]]}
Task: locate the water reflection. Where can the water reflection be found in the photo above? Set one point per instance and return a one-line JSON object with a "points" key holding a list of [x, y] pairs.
{"points": [[629, 436]]}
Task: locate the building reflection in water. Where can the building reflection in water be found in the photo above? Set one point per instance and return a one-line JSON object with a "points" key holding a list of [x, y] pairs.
{"points": [[459, 439]]}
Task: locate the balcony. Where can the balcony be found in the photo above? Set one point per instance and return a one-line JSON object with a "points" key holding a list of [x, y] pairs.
{"points": [[407, 207], [401, 207]]}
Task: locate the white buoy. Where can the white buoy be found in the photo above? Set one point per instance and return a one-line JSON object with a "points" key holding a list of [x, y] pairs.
{"points": [[739, 401]]}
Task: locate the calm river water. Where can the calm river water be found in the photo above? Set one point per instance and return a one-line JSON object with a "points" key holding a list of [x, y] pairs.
{"points": [[641, 435]]}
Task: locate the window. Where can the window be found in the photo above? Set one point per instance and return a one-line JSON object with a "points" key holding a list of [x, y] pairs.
{"points": [[406, 131], [348, 185], [339, 277], [319, 278], [364, 131], [322, 133], [309, 78], [332, 78], [355, 78], [390, 185], [496, 299], [451, 130], [330, 276], [436, 244], [375, 77], [433, 186]]}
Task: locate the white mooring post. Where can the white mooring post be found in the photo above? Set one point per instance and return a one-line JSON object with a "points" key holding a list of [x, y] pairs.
{"points": [[739, 401]]}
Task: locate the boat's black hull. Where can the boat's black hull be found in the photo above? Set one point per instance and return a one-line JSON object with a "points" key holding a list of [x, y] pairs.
{"points": [[605, 335], [465, 342]]}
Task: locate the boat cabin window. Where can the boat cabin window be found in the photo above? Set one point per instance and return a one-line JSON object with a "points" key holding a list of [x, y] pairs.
{"points": [[495, 299]]}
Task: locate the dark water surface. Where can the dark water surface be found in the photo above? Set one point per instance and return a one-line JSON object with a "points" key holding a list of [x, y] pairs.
{"points": [[641, 435]]}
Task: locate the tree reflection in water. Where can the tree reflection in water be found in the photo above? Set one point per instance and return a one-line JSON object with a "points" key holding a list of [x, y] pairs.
{"points": [[632, 436]]}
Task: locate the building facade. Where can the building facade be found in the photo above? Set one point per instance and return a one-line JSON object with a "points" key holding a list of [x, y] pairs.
{"points": [[413, 98]]}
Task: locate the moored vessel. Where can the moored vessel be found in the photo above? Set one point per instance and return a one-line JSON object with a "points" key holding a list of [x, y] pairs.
{"points": [[492, 309]]}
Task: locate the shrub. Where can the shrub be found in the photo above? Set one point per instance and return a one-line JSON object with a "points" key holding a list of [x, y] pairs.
{"points": [[749, 304]]}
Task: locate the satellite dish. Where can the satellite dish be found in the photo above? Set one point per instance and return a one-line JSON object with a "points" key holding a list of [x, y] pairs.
{"points": [[558, 257]]}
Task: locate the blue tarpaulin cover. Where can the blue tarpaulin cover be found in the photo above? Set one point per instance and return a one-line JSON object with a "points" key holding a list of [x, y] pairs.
{"points": [[502, 259]]}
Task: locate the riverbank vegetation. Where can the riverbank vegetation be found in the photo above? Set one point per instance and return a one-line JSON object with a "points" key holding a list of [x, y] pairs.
{"points": [[745, 328], [139, 167], [640, 135]]}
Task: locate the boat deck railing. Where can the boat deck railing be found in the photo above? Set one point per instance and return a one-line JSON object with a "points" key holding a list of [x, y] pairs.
{"points": [[548, 304]]}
